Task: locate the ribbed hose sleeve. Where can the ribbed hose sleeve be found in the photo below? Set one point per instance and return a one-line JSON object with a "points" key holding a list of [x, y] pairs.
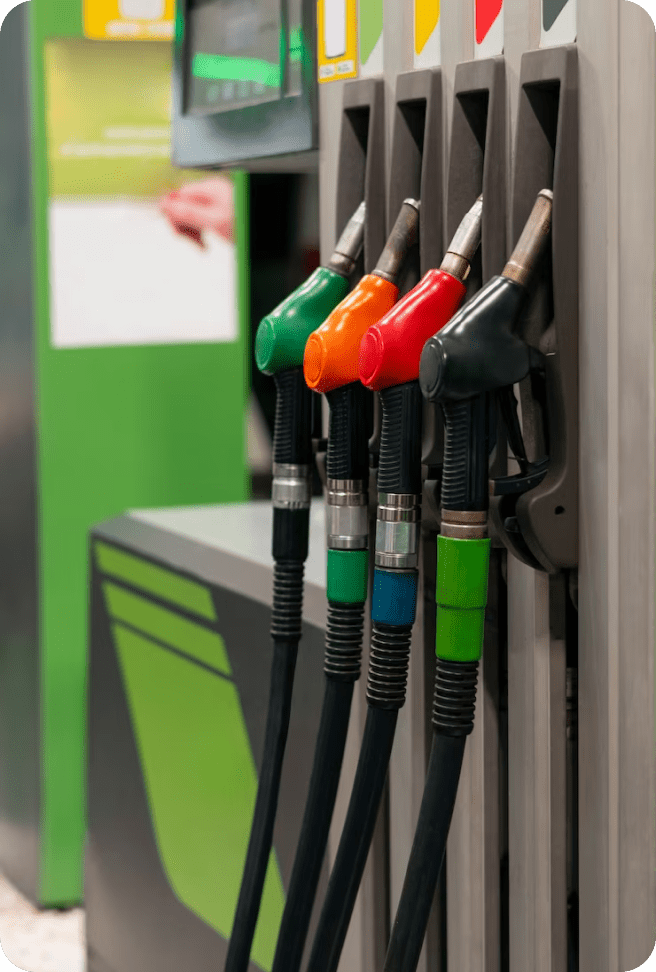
{"points": [[342, 665], [286, 631], [292, 440], [399, 465], [355, 841], [466, 455], [351, 420]]}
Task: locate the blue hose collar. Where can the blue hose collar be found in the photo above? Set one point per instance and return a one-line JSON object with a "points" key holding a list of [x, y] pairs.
{"points": [[394, 599]]}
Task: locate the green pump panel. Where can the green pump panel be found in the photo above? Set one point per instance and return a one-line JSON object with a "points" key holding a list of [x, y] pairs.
{"points": [[135, 406]]}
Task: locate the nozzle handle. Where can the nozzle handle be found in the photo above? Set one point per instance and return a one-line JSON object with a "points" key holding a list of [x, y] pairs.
{"points": [[466, 455], [351, 417], [399, 466], [292, 440]]}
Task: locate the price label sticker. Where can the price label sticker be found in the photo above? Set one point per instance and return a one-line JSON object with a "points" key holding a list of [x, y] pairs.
{"points": [[129, 19], [337, 39]]}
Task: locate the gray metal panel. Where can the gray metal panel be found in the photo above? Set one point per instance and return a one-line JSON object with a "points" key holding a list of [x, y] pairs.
{"points": [[228, 545], [536, 774], [618, 901], [135, 921]]}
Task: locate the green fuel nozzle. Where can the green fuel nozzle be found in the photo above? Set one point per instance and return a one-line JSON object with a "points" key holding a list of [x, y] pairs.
{"points": [[279, 349], [282, 334]]}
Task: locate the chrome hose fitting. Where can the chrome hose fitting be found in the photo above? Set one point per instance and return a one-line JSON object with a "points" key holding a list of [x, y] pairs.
{"points": [[292, 487], [347, 520], [464, 525], [397, 531]]}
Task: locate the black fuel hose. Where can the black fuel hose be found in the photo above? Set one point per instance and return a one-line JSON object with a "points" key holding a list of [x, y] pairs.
{"points": [[464, 492], [292, 454], [347, 462]]}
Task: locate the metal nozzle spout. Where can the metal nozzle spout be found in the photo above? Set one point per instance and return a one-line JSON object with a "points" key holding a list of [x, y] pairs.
{"points": [[458, 258], [403, 236], [349, 246], [532, 242]]}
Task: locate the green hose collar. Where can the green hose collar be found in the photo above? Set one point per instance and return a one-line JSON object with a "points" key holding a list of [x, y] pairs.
{"points": [[282, 334], [461, 596], [348, 576]]}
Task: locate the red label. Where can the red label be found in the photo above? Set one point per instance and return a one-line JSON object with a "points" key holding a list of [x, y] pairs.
{"points": [[487, 12]]}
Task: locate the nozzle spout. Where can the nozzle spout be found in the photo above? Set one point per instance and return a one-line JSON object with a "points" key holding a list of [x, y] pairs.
{"points": [[533, 241], [458, 258], [403, 236], [349, 246]]}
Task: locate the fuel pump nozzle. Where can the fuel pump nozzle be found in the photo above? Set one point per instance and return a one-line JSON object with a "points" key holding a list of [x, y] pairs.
{"points": [[388, 362], [331, 354], [330, 366], [476, 354], [279, 349]]}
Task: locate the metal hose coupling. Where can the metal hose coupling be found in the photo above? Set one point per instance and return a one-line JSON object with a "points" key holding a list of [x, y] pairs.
{"points": [[464, 524], [397, 531], [347, 521], [292, 487]]}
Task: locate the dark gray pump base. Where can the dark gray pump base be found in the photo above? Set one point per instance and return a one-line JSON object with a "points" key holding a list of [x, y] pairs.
{"points": [[135, 923]]}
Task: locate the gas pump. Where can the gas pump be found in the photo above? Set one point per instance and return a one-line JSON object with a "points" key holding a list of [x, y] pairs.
{"points": [[511, 589]]}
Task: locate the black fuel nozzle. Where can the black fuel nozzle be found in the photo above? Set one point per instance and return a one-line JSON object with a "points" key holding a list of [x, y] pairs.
{"points": [[479, 353]]}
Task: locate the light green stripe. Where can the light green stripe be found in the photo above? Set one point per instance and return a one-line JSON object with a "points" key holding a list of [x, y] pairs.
{"points": [[201, 782], [172, 629], [163, 583]]}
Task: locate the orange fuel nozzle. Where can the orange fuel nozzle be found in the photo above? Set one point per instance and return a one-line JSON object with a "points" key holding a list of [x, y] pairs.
{"points": [[332, 351]]}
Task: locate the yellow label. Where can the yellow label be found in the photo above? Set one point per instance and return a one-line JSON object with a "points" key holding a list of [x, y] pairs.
{"points": [[337, 39], [427, 15], [129, 19]]}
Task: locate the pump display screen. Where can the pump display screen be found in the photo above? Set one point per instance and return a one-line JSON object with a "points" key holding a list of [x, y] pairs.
{"points": [[236, 53]]}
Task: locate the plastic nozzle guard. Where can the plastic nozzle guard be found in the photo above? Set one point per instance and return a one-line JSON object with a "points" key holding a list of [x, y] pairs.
{"points": [[282, 334], [331, 353], [391, 349]]}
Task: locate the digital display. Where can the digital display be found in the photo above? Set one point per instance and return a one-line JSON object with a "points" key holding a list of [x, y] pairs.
{"points": [[237, 54]]}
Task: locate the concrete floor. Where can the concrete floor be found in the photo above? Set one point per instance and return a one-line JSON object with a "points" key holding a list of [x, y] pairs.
{"points": [[39, 941]]}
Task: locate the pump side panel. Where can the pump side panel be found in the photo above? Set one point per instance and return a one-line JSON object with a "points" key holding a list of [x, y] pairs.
{"points": [[178, 703]]}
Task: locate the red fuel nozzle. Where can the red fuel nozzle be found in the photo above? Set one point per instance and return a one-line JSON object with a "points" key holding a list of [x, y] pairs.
{"points": [[391, 348], [331, 353]]}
